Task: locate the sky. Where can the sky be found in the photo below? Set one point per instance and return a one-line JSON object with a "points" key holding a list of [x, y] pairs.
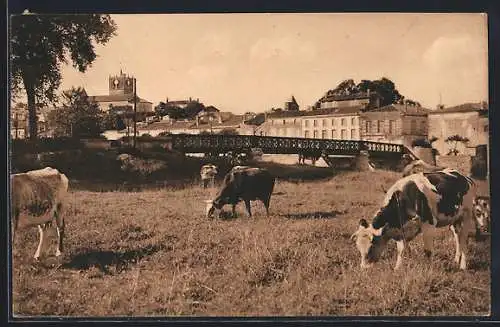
{"points": [[252, 62]]}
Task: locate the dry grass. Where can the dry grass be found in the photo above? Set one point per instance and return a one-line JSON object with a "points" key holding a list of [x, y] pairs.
{"points": [[154, 253]]}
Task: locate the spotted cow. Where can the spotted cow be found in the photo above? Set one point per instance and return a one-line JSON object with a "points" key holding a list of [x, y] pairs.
{"points": [[420, 203]]}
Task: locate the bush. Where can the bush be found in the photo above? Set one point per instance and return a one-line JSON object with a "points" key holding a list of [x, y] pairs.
{"points": [[46, 145]]}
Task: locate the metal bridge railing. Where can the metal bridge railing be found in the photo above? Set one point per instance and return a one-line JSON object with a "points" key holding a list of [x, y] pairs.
{"points": [[271, 144]]}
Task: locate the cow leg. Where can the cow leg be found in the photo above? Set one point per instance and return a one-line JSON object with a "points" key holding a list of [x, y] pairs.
{"points": [[249, 210], [60, 230], [401, 246], [266, 204], [457, 244], [428, 236], [41, 234], [463, 236], [234, 210]]}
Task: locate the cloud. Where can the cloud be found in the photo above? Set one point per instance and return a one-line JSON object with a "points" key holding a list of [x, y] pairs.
{"points": [[289, 47], [456, 52], [457, 67], [212, 47]]}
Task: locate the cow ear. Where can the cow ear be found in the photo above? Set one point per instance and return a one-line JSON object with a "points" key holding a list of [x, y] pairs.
{"points": [[363, 222]]}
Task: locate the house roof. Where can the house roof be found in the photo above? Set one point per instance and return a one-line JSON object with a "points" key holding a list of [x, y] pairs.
{"points": [[329, 96], [115, 97], [406, 109], [465, 107], [351, 110], [232, 121]]}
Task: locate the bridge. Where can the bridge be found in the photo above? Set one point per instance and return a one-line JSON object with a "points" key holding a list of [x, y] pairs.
{"points": [[326, 148]]}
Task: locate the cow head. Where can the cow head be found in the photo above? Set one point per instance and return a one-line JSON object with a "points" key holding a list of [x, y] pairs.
{"points": [[481, 212], [213, 207], [369, 242]]}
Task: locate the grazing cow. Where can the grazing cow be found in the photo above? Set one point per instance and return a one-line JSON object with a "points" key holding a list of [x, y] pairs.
{"points": [[420, 203], [37, 199], [207, 174], [243, 184]]}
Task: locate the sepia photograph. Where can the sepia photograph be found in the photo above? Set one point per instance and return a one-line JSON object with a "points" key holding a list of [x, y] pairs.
{"points": [[249, 165]]}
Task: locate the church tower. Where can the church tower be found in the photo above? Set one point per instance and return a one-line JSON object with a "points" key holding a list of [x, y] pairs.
{"points": [[121, 84]]}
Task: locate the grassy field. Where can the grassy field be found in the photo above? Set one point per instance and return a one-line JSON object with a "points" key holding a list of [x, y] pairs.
{"points": [[153, 253]]}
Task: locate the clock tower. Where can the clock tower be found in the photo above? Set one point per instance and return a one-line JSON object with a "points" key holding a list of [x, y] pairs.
{"points": [[121, 84]]}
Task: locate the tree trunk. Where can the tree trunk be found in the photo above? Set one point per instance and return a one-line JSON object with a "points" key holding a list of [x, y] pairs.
{"points": [[32, 118]]}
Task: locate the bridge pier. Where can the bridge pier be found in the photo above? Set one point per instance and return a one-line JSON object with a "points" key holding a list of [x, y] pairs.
{"points": [[362, 162]]}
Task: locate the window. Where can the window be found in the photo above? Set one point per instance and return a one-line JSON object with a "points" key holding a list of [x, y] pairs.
{"points": [[333, 122], [284, 122], [294, 121], [334, 134], [342, 122], [306, 123], [343, 134], [315, 122], [261, 133], [379, 125], [368, 126], [315, 134], [323, 134], [353, 121], [353, 134], [392, 127], [306, 134], [413, 126], [324, 122], [485, 128]]}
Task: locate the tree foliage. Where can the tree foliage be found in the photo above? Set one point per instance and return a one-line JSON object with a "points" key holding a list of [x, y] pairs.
{"points": [[176, 112], [41, 44], [383, 87], [79, 117]]}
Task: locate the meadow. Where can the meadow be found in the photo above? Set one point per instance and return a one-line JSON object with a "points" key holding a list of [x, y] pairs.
{"points": [[153, 253]]}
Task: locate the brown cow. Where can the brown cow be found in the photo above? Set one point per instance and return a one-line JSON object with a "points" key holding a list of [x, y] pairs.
{"points": [[37, 199]]}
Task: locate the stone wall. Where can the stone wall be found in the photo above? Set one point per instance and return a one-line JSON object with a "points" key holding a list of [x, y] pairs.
{"points": [[461, 163]]}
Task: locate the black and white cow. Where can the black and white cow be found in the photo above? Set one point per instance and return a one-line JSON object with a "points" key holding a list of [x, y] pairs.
{"points": [[420, 203], [246, 184]]}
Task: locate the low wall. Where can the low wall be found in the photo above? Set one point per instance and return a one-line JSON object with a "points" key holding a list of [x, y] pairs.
{"points": [[462, 163]]}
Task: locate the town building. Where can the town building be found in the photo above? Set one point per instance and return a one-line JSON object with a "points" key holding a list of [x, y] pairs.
{"points": [[121, 94], [469, 120], [395, 123], [19, 121], [366, 99]]}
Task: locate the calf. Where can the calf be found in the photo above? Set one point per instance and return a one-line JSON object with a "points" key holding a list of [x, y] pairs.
{"points": [[37, 199], [207, 174], [420, 203], [482, 213], [243, 184]]}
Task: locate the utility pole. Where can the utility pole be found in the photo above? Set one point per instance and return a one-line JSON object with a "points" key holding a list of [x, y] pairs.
{"points": [[135, 111]]}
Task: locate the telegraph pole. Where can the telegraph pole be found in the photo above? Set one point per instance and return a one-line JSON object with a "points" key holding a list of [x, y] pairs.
{"points": [[135, 110]]}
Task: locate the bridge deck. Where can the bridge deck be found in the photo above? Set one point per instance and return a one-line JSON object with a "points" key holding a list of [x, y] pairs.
{"points": [[279, 145]]}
